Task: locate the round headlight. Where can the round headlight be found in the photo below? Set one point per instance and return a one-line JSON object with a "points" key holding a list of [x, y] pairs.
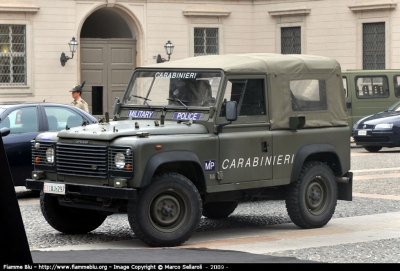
{"points": [[119, 160], [50, 155]]}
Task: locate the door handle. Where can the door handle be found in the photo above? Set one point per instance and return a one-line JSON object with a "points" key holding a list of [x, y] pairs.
{"points": [[264, 146]]}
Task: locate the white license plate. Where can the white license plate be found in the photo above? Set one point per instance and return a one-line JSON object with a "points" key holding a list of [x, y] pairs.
{"points": [[54, 188], [362, 132]]}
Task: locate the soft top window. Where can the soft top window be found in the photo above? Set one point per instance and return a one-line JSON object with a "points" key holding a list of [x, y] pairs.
{"points": [[308, 95]]}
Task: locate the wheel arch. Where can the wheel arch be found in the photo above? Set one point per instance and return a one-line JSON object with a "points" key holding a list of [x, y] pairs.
{"points": [[319, 152], [184, 162]]}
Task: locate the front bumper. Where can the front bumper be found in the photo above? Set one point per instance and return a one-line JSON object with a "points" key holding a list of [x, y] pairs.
{"points": [[377, 138], [87, 190]]}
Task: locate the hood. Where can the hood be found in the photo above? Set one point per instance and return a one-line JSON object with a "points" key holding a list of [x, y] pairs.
{"points": [[382, 117], [109, 131]]}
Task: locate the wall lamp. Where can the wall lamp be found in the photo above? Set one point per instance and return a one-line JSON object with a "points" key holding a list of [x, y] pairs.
{"points": [[169, 48], [73, 45]]}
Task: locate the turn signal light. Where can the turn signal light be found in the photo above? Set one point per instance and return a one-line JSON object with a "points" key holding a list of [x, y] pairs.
{"points": [[158, 147], [37, 159], [128, 167]]}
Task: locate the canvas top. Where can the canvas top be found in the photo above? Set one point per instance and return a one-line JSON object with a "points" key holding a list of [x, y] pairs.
{"points": [[285, 72], [257, 63]]}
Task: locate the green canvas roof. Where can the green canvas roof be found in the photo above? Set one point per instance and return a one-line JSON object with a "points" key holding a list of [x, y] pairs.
{"points": [[284, 69], [256, 63]]}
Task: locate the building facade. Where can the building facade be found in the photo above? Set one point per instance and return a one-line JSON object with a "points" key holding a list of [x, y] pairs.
{"points": [[115, 36]]}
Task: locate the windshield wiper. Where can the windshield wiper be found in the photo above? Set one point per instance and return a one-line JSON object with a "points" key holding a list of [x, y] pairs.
{"points": [[145, 99], [182, 102]]}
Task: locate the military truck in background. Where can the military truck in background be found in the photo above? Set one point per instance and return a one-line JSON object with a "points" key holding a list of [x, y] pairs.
{"points": [[198, 136], [368, 92]]}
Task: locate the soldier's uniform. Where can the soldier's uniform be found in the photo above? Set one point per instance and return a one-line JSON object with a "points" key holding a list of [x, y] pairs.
{"points": [[80, 103]]}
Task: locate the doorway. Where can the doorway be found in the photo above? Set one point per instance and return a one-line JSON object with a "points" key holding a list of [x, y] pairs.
{"points": [[108, 58]]}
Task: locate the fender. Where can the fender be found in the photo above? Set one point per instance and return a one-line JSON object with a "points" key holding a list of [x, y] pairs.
{"points": [[307, 150], [167, 157]]}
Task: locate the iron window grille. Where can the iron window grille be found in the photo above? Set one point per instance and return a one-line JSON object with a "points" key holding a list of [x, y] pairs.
{"points": [[12, 55], [374, 46], [206, 41], [291, 40]]}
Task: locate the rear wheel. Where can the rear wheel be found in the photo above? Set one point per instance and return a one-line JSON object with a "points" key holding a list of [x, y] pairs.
{"points": [[218, 210], [372, 148], [67, 219], [311, 199], [166, 212]]}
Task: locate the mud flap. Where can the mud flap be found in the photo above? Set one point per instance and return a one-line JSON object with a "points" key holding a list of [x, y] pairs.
{"points": [[345, 190]]}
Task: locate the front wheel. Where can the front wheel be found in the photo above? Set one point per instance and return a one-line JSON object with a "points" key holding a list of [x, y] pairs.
{"points": [[67, 219], [311, 199], [166, 212], [373, 148]]}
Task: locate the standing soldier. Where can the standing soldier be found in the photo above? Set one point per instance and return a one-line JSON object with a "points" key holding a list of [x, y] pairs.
{"points": [[78, 101]]}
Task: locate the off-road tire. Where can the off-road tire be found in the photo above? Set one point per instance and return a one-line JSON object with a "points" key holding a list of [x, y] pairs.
{"points": [[311, 199], [372, 148], [219, 210], [67, 219], [166, 212]]}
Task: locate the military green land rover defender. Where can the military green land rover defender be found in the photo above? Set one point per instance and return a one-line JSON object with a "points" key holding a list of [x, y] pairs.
{"points": [[198, 136]]}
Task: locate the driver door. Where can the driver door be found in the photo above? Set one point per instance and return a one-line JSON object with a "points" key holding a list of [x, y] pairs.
{"points": [[245, 145]]}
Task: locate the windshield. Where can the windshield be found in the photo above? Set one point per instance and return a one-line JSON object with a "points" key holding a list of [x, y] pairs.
{"points": [[394, 107], [173, 88], [2, 110]]}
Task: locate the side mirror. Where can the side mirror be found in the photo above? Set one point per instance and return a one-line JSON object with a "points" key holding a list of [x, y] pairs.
{"points": [[4, 131], [230, 115], [116, 102], [231, 111]]}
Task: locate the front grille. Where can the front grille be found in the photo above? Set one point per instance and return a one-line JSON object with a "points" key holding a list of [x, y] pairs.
{"points": [[366, 126], [82, 160], [373, 139], [39, 153]]}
